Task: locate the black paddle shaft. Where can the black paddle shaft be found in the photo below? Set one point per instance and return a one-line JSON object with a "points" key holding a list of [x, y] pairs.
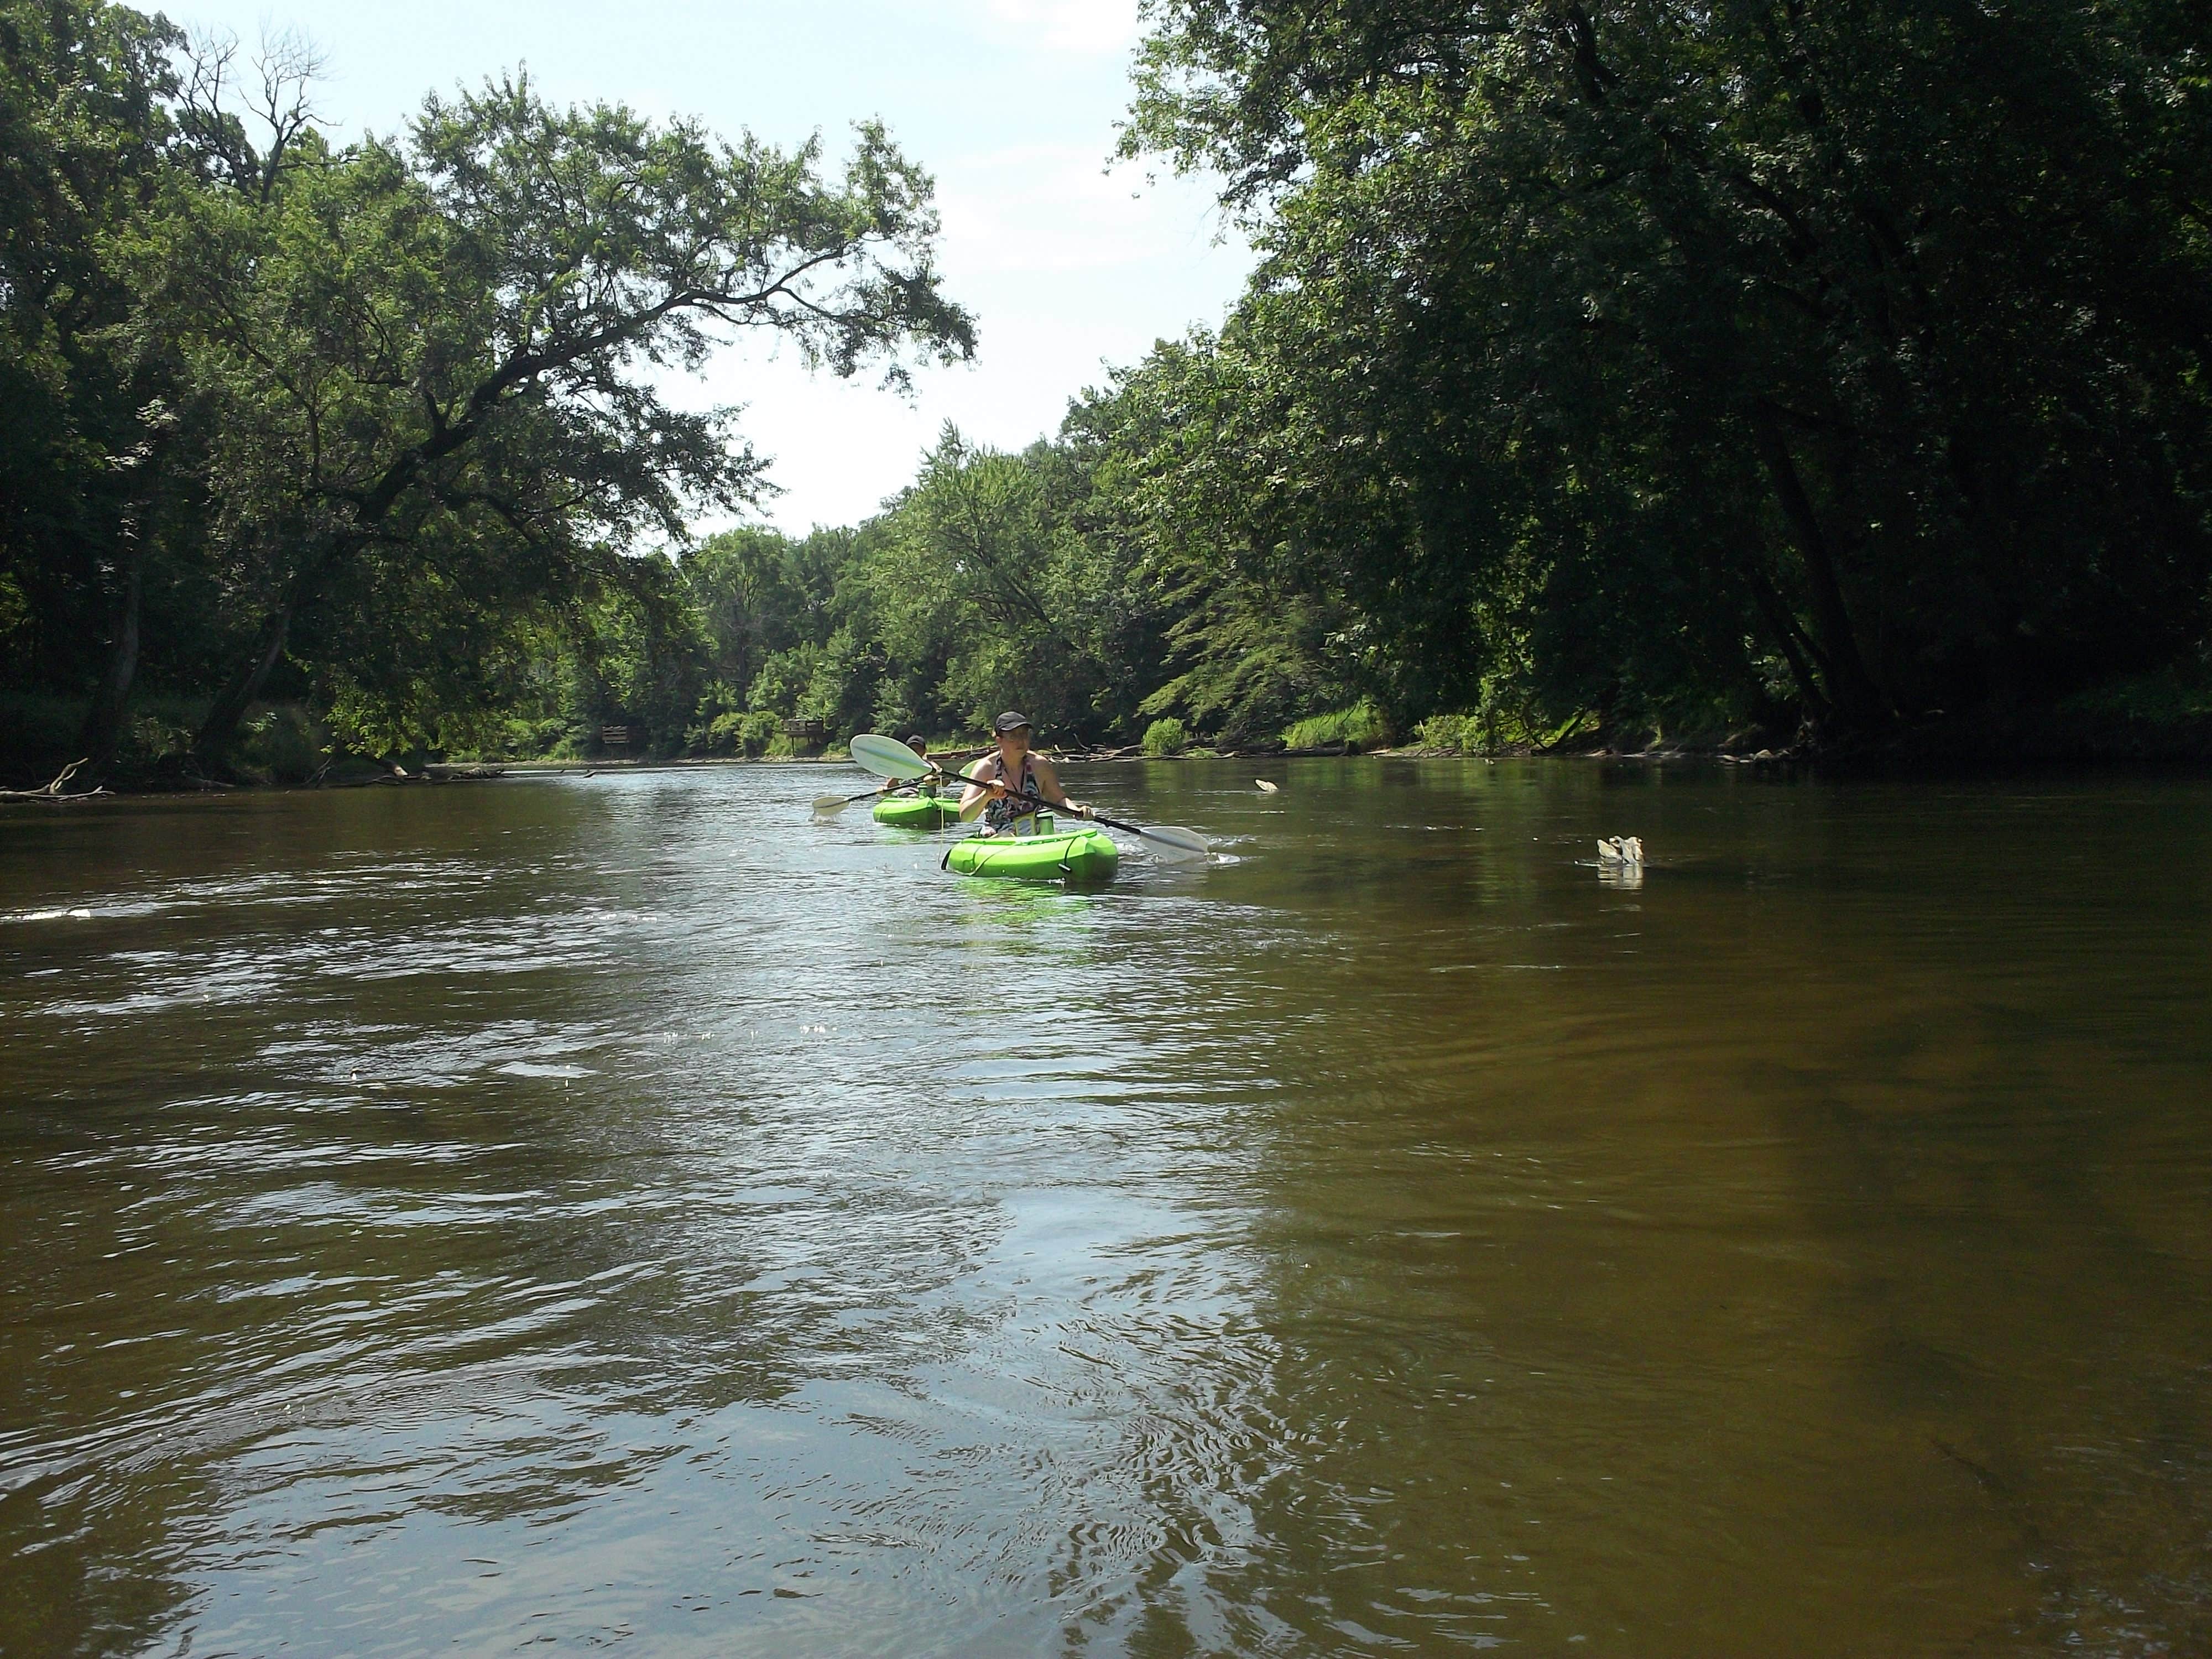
{"points": [[1031, 796], [904, 785], [1088, 813]]}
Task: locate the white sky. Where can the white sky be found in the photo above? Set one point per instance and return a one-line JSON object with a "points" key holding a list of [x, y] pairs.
{"points": [[1010, 103]]}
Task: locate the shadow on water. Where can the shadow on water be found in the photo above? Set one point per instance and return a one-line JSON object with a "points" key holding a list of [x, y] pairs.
{"points": [[1730, 1264], [585, 1211]]}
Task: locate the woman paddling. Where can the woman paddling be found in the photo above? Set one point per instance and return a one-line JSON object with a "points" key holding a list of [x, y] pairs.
{"points": [[1005, 787]]}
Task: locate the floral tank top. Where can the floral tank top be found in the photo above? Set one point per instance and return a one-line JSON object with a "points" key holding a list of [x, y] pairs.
{"points": [[1002, 814]]}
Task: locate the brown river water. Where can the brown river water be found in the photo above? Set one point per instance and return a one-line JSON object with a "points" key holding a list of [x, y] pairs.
{"points": [[573, 1213]]}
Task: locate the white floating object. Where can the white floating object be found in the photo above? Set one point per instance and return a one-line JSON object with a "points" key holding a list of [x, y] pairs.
{"points": [[1267, 789], [1620, 849]]}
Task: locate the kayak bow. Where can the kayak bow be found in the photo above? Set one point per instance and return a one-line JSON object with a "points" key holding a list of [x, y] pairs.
{"points": [[1081, 856]]}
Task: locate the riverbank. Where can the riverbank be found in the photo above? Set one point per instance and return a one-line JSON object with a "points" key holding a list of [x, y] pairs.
{"points": [[2024, 741], [2158, 721], [357, 772], [2161, 721]]}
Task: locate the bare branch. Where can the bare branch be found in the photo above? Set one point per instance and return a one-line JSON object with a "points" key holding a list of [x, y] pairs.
{"points": [[288, 63], [224, 116]]}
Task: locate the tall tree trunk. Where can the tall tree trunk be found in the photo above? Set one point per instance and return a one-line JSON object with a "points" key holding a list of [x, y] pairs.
{"points": [[1799, 651], [1851, 688], [220, 729], [103, 721], [1997, 640]]}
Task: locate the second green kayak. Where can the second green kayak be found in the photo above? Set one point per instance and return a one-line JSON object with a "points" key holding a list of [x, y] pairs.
{"points": [[1087, 854], [915, 811]]}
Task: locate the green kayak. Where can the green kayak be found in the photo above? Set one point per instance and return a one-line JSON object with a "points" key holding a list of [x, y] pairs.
{"points": [[1087, 854], [915, 811]]}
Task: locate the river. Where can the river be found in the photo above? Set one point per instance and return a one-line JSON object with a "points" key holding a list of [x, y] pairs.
{"points": [[622, 1211]]}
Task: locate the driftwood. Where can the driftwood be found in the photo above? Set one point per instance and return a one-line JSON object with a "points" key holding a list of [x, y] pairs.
{"points": [[434, 772], [54, 791], [1091, 752]]}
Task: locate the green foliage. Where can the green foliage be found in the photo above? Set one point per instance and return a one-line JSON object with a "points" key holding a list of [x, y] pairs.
{"points": [[380, 422], [1453, 734], [1249, 662], [1640, 370], [842, 692], [2179, 693], [95, 475], [283, 744], [754, 733], [756, 593], [786, 679], [736, 733], [1040, 581], [1166, 736], [17, 639], [158, 737], [983, 574], [1662, 360], [1360, 727]]}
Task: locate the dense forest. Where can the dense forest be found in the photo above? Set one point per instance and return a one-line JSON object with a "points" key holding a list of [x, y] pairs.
{"points": [[371, 432], [1618, 369]]}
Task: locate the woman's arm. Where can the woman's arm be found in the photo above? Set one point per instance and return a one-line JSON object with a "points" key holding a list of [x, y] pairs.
{"points": [[978, 790]]}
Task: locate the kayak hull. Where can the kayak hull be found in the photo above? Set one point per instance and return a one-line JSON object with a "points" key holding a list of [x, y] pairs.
{"points": [[915, 811], [1087, 855]]}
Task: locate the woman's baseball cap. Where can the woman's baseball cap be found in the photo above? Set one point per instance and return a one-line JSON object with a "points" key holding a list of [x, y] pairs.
{"points": [[1010, 721]]}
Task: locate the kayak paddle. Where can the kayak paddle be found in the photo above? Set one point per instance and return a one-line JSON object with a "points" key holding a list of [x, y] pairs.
{"points": [[887, 757], [828, 806], [1177, 844]]}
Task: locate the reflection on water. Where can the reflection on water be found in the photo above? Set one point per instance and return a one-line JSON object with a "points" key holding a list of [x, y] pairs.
{"points": [[578, 1211]]}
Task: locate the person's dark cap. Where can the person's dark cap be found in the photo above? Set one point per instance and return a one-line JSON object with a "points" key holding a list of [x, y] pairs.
{"points": [[1010, 721], [916, 741]]}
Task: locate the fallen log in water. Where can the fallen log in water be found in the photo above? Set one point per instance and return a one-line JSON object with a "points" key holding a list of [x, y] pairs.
{"points": [[54, 791]]}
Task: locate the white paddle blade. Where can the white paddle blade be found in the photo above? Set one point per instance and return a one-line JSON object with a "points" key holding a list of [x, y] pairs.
{"points": [[887, 757], [1267, 789], [1172, 844], [828, 806]]}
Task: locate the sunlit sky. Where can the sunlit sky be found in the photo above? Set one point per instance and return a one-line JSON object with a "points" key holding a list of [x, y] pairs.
{"points": [[1010, 103]]}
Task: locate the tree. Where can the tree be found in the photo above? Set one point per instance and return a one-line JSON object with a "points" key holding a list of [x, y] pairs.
{"points": [[90, 452], [420, 345], [751, 598], [1665, 349], [1175, 451], [985, 568]]}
